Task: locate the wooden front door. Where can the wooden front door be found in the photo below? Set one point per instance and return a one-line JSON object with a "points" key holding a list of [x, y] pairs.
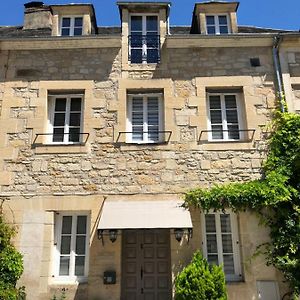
{"points": [[146, 271]]}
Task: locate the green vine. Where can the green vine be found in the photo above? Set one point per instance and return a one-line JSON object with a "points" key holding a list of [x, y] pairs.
{"points": [[275, 197]]}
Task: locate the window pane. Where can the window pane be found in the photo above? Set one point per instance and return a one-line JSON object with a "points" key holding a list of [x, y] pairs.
{"points": [[74, 135], [75, 104], [222, 20], [78, 22], [136, 23], [65, 247], [213, 259], [137, 134], [223, 29], [75, 119], [217, 132], [211, 241], [228, 264], [233, 132], [66, 225], [210, 223], [79, 265], [225, 223], [216, 116], [153, 134], [64, 265], [59, 119], [66, 22], [152, 56], [81, 224], [80, 244], [136, 40], [152, 23], [136, 56], [65, 32], [227, 243], [58, 135], [230, 101], [211, 30], [215, 102], [60, 104], [232, 116], [210, 20], [137, 104], [77, 31], [153, 118]]}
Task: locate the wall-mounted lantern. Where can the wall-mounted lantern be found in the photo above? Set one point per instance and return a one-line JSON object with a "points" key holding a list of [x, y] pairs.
{"points": [[111, 233], [180, 232]]}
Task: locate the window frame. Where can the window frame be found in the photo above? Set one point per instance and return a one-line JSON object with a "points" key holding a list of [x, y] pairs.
{"points": [[237, 276], [144, 31], [217, 23], [51, 114], [72, 24], [224, 118], [145, 123], [57, 244]]}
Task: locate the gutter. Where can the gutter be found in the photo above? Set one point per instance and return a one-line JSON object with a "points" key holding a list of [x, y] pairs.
{"points": [[276, 44]]}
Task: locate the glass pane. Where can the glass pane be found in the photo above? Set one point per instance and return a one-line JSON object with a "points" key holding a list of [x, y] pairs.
{"points": [[223, 29], [80, 244], [136, 40], [78, 31], [233, 132], [214, 102], [60, 104], [65, 32], [152, 56], [228, 264], [78, 22], [137, 134], [227, 243], [217, 132], [75, 104], [66, 22], [232, 116], [65, 246], [210, 20], [230, 101], [137, 104], [136, 23], [136, 56], [153, 118], [79, 265], [58, 135], [81, 224], [66, 225], [74, 135], [211, 30], [210, 223], [211, 241], [152, 41], [75, 119], [225, 223], [213, 259], [216, 116], [151, 23], [222, 20], [59, 119], [64, 265], [153, 134], [152, 103]]}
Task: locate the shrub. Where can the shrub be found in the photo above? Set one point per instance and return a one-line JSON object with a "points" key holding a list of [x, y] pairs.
{"points": [[200, 281]]}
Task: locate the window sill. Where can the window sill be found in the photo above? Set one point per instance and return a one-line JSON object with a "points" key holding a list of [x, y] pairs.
{"points": [[68, 281], [142, 146], [141, 67], [60, 148]]}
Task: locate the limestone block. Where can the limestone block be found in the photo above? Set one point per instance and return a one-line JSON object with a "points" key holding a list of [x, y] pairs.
{"points": [[194, 121], [6, 178], [12, 125], [176, 103], [8, 153], [205, 164], [113, 105], [182, 120], [193, 101], [256, 163]]}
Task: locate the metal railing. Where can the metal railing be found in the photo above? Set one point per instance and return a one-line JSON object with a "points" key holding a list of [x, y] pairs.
{"points": [[74, 139], [240, 135], [144, 48], [158, 137]]}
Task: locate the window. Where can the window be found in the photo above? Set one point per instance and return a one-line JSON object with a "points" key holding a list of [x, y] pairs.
{"points": [[144, 118], [65, 116], [72, 244], [217, 24], [220, 243], [224, 116], [71, 26], [144, 40]]}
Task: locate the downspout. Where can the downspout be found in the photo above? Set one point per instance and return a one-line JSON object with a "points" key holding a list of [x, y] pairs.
{"points": [[168, 20], [276, 43]]}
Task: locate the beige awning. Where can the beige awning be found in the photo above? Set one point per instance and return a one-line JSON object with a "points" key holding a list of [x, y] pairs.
{"points": [[144, 214]]}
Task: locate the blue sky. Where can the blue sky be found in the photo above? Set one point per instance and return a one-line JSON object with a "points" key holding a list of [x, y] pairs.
{"points": [[283, 14]]}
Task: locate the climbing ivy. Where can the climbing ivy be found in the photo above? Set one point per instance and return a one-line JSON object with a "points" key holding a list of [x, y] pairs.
{"points": [[275, 197]]}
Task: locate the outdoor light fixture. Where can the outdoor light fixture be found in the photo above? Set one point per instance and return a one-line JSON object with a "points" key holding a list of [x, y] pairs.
{"points": [[180, 232], [111, 233]]}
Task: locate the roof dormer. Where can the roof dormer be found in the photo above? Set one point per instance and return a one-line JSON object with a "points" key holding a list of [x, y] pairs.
{"points": [[215, 17], [73, 20]]}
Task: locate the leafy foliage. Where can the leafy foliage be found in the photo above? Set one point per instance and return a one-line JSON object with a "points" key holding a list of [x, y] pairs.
{"points": [[11, 264], [276, 197], [200, 281]]}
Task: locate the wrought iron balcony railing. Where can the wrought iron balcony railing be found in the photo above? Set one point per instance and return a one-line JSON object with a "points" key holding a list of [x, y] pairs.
{"points": [[60, 138], [142, 137], [144, 49], [241, 135]]}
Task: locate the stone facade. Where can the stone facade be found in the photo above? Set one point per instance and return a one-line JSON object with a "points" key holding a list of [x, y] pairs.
{"points": [[38, 180]]}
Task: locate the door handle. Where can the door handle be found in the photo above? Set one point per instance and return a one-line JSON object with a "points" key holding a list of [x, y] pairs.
{"points": [[142, 273]]}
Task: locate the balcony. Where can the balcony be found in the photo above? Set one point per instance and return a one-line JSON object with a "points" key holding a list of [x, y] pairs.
{"points": [[143, 137], [144, 49], [221, 136], [42, 139]]}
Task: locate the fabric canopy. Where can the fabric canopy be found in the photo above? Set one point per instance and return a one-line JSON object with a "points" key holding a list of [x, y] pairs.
{"points": [[124, 214]]}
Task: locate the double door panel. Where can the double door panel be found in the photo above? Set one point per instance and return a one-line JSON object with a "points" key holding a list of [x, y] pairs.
{"points": [[146, 272]]}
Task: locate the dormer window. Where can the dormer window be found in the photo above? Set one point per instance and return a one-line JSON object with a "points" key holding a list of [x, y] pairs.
{"points": [[217, 24], [71, 26]]}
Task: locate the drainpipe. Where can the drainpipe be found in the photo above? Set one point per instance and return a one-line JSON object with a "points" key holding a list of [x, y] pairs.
{"points": [[276, 43]]}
